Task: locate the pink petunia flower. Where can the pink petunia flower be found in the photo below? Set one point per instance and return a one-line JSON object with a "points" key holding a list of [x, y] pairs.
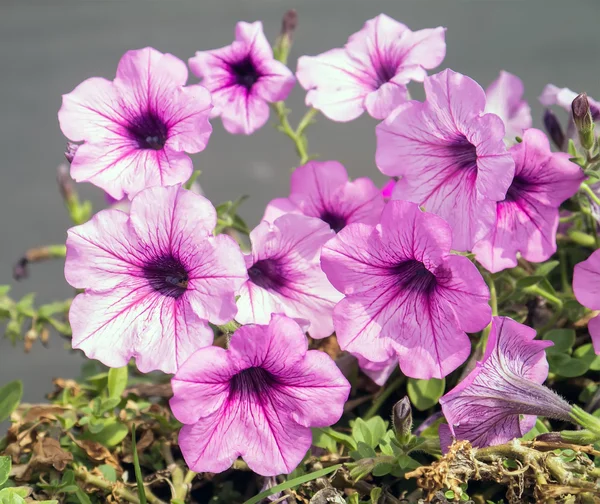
{"points": [[527, 219], [500, 399], [371, 71], [137, 129], [243, 79], [563, 97], [379, 372], [256, 400], [450, 156], [321, 189], [406, 295], [504, 97], [586, 287], [285, 274], [152, 280]]}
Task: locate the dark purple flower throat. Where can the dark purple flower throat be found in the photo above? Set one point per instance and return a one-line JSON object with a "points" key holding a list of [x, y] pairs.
{"points": [[167, 275], [245, 72], [268, 274], [148, 130]]}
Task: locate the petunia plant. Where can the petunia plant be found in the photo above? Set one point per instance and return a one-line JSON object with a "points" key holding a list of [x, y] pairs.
{"points": [[431, 338]]}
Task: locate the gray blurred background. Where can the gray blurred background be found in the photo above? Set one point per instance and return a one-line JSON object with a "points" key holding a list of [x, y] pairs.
{"points": [[49, 46]]}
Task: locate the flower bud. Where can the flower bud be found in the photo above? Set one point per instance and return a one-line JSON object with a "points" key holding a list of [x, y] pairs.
{"points": [[20, 269], [554, 129], [582, 117], [283, 44], [402, 420]]}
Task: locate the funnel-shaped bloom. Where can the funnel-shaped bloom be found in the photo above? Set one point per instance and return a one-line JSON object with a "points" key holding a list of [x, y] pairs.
{"points": [[285, 274], [586, 286], [527, 219], [321, 189], [500, 399], [152, 280], [451, 157], [243, 79], [371, 72], [136, 129], [563, 97], [406, 295], [256, 400], [504, 97]]}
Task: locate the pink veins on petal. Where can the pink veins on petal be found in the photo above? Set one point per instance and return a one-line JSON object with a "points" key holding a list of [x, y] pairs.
{"points": [[527, 219], [153, 280], [243, 79], [586, 286], [257, 400], [450, 155], [371, 71], [321, 189], [137, 128], [285, 274], [500, 399], [406, 296]]}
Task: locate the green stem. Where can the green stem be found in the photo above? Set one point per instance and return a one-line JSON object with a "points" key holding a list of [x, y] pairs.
{"points": [[381, 398], [297, 135], [306, 121], [590, 193], [564, 279], [494, 304], [536, 290]]}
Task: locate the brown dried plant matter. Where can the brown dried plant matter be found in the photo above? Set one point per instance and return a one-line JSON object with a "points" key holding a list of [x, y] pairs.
{"points": [[542, 474]]}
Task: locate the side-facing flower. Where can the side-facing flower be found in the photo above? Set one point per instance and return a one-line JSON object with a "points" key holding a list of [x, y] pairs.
{"points": [[527, 219], [406, 295], [256, 400], [285, 276], [371, 71], [243, 79], [450, 155], [152, 280], [321, 189], [138, 128], [563, 97], [586, 287], [504, 97], [500, 399]]}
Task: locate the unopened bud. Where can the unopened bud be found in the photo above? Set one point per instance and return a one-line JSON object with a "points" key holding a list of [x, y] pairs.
{"points": [[582, 117], [289, 23], [20, 270], [402, 419], [554, 129], [65, 184], [283, 44], [70, 152]]}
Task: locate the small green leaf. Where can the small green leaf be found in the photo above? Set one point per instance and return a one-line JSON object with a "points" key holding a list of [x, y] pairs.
{"points": [[425, 394], [138, 471], [523, 283], [382, 469], [571, 149], [544, 269], [111, 435], [321, 439], [10, 496], [449, 494], [378, 427], [10, 397], [82, 496], [109, 472], [572, 367], [5, 466], [117, 382], [375, 494], [563, 340], [361, 432]]}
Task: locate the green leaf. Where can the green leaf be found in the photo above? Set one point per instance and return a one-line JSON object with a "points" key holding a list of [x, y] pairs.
{"points": [[378, 427], [523, 283], [375, 494], [544, 269], [571, 367], [10, 397], [10, 496], [111, 435], [5, 466], [449, 494], [109, 472], [117, 382], [563, 339], [344, 439], [425, 394], [382, 469], [82, 496], [293, 483], [138, 471], [361, 432], [321, 439]]}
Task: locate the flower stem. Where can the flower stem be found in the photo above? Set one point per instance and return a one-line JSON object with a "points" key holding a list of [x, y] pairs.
{"points": [[297, 136], [536, 290], [494, 304], [590, 193], [381, 398]]}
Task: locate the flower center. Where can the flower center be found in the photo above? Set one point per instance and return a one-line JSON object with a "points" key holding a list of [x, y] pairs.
{"points": [[517, 187], [464, 153], [245, 72], [167, 275], [148, 130], [267, 273], [251, 382], [385, 72], [335, 221], [413, 276]]}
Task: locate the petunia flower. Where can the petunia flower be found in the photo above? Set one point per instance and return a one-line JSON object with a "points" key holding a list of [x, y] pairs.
{"points": [[256, 400], [450, 155], [321, 189], [504, 97], [371, 71], [527, 219], [138, 128], [586, 287], [285, 276], [152, 280], [563, 97], [405, 294], [379, 372], [243, 79], [500, 399]]}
